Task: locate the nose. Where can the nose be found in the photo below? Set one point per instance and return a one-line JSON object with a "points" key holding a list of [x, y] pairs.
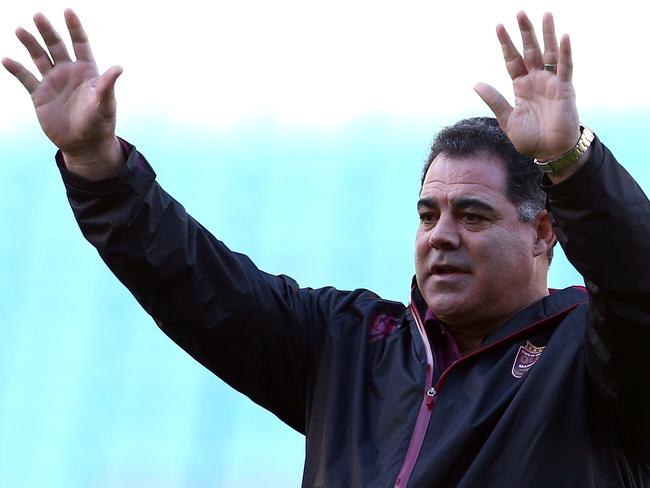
{"points": [[444, 235]]}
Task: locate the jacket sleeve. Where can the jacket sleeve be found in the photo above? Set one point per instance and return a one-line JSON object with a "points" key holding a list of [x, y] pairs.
{"points": [[259, 333], [602, 221]]}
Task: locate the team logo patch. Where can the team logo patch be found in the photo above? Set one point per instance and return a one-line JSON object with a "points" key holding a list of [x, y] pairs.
{"points": [[382, 326], [526, 357]]}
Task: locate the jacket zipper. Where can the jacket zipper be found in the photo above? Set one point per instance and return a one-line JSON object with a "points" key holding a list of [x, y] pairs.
{"points": [[426, 407]]}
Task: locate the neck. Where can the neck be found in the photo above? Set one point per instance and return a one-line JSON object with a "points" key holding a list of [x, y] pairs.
{"points": [[470, 335], [466, 341]]}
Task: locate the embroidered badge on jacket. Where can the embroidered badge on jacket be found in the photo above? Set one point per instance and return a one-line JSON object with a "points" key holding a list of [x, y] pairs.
{"points": [[526, 357]]}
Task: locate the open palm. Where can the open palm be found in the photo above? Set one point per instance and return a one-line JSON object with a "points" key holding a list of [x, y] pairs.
{"points": [[74, 105], [69, 109], [544, 122]]}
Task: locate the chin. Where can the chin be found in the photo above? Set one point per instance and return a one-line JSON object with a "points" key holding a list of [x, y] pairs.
{"points": [[448, 310]]}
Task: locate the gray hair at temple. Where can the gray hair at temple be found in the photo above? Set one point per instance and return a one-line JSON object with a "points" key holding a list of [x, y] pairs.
{"points": [[475, 135]]}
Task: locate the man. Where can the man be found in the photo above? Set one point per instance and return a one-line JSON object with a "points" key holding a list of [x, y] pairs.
{"points": [[486, 379]]}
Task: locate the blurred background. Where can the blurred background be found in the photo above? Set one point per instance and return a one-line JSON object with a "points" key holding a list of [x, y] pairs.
{"points": [[295, 131]]}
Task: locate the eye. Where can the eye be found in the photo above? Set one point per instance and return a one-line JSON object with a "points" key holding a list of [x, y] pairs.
{"points": [[427, 218], [472, 218]]}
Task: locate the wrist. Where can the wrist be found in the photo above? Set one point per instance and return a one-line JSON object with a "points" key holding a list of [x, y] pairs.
{"points": [[567, 160], [566, 173], [97, 162], [561, 144]]}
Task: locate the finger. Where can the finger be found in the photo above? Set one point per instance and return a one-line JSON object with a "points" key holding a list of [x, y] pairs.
{"points": [[514, 62], [106, 88], [497, 103], [78, 35], [565, 63], [53, 41], [550, 55], [23, 75], [37, 53], [532, 52]]}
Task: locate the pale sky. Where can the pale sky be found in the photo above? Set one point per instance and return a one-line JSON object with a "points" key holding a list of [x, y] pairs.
{"points": [[317, 63]]}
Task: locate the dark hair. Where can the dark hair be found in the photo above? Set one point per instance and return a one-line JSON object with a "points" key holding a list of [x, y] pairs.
{"points": [[483, 134]]}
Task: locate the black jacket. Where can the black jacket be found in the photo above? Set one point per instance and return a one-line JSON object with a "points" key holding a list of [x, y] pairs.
{"points": [[557, 397]]}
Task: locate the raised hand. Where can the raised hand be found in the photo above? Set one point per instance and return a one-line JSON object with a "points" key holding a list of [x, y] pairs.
{"points": [[75, 105], [544, 122]]}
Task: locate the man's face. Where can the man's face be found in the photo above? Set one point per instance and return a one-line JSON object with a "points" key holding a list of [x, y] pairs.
{"points": [[474, 258]]}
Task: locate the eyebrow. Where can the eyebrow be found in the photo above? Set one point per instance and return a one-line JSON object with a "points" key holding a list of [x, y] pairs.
{"points": [[457, 203]]}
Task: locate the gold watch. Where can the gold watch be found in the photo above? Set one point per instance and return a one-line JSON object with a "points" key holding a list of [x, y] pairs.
{"points": [[570, 157]]}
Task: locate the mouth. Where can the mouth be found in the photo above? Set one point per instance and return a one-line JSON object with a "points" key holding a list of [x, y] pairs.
{"points": [[447, 269]]}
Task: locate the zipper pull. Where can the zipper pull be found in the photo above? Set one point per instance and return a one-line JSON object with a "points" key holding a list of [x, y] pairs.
{"points": [[432, 393]]}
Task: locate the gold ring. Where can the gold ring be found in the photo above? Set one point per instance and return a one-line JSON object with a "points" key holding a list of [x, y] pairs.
{"points": [[550, 67]]}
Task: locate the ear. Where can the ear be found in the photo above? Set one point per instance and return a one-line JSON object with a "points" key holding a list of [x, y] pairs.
{"points": [[545, 235]]}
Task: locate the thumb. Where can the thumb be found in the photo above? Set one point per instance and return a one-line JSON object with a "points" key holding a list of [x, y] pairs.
{"points": [[497, 103], [105, 87]]}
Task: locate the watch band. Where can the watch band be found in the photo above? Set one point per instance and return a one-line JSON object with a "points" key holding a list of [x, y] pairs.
{"points": [[570, 157]]}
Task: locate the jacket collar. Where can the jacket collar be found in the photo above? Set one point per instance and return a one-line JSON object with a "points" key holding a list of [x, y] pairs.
{"points": [[552, 304]]}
